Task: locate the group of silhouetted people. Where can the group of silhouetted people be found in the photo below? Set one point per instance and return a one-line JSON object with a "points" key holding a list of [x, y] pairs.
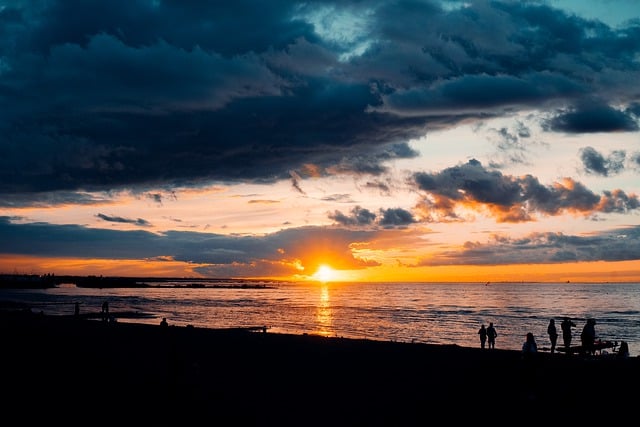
{"points": [[488, 336], [587, 338]]}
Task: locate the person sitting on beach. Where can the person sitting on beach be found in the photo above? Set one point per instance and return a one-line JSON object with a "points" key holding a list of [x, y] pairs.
{"points": [[623, 351], [483, 335], [164, 323], [588, 337], [529, 347], [491, 335]]}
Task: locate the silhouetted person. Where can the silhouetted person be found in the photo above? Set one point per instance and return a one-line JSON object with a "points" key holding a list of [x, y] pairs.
{"points": [[491, 336], [164, 323], [105, 311], [530, 368], [566, 326], [588, 337], [553, 334], [76, 310], [529, 347], [623, 351], [483, 336]]}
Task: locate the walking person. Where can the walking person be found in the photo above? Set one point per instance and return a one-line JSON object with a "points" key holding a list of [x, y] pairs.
{"points": [[483, 336], [491, 336], [553, 335], [566, 326]]}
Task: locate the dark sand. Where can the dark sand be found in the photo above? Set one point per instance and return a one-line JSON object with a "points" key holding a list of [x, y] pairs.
{"points": [[78, 371]]}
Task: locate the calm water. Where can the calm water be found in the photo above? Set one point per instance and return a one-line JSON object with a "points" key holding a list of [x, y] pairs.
{"points": [[407, 312]]}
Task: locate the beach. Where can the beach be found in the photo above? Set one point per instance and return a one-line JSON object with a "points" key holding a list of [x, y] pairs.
{"points": [[62, 368]]}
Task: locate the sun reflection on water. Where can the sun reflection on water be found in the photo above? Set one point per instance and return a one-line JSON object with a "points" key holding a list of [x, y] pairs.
{"points": [[324, 313]]}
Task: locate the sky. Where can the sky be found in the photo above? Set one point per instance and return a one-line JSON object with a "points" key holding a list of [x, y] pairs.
{"points": [[350, 141]]}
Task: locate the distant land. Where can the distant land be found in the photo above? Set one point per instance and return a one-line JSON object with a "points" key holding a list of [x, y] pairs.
{"points": [[38, 281]]}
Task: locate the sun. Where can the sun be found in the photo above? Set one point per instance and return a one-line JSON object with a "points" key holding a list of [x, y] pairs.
{"points": [[324, 274]]}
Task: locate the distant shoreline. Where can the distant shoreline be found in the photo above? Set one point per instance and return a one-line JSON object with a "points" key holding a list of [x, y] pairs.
{"points": [[44, 281], [34, 281]]}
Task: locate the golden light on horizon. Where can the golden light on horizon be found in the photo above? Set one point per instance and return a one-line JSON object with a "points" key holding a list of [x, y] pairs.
{"points": [[325, 274], [586, 272]]}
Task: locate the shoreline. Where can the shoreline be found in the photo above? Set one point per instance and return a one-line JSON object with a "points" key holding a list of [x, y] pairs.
{"points": [[268, 378]]}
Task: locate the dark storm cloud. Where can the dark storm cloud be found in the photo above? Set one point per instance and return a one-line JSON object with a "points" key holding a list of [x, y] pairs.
{"points": [[511, 198], [396, 218], [110, 94], [593, 118], [228, 256], [546, 248], [596, 163], [359, 216], [139, 221], [388, 218], [47, 199], [634, 108], [43, 239]]}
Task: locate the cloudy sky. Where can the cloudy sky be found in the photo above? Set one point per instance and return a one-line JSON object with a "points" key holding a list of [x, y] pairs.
{"points": [[399, 140]]}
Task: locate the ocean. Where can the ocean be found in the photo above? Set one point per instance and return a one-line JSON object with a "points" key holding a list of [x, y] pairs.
{"points": [[434, 313]]}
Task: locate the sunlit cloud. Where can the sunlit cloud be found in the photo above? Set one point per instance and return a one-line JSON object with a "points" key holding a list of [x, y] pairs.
{"points": [[382, 139]]}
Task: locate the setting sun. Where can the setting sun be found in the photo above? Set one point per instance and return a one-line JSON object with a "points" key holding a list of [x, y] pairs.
{"points": [[325, 274]]}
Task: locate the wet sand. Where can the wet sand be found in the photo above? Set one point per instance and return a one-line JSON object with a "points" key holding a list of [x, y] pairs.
{"points": [[80, 371]]}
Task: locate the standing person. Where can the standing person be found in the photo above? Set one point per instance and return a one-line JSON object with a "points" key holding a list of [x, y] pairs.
{"points": [[566, 326], [105, 311], [553, 335], [491, 336], [483, 336]]}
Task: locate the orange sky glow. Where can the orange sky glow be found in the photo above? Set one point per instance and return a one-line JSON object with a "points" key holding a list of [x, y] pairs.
{"points": [[479, 142], [601, 272]]}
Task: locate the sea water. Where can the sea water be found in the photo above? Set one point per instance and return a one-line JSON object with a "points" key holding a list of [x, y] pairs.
{"points": [[435, 313]]}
